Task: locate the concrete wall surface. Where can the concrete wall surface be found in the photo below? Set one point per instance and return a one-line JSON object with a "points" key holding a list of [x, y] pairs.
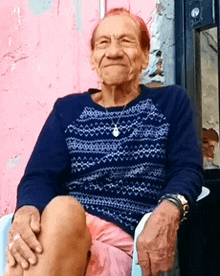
{"points": [[44, 54]]}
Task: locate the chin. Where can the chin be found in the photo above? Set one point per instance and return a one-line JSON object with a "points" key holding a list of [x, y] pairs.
{"points": [[115, 82]]}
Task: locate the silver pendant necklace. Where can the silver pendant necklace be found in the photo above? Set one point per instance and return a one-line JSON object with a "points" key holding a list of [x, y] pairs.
{"points": [[116, 131]]}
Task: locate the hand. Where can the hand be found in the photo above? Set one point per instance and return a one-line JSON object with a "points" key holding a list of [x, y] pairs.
{"points": [[23, 243], [156, 244]]}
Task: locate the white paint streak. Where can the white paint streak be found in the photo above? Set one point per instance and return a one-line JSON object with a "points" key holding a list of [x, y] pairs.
{"points": [[102, 8], [39, 67], [19, 15], [13, 162], [13, 67], [9, 42], [18, 11]]}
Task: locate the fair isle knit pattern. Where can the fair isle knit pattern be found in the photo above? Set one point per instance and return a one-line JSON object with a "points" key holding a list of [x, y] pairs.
{"points": [[116, 178]]}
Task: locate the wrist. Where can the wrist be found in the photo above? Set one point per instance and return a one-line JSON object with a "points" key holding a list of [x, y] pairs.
{"points": [[168, 208], [179, 201]]}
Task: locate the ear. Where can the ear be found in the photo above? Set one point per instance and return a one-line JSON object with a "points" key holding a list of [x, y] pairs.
{"points": [[145, 62], [92, 61]]}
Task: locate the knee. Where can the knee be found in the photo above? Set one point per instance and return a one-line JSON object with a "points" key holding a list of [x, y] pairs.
{"points": [[66, 213]]}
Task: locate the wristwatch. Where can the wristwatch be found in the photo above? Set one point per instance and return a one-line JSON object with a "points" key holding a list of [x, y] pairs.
{"points": [[180, 201]]}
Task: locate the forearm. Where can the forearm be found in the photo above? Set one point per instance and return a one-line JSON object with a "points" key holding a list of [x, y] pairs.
{"points": [[48, 167], [187, 181], [35, 193]]}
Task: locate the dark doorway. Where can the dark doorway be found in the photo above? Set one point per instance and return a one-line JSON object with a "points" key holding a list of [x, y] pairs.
{"points": [[197, 35]]}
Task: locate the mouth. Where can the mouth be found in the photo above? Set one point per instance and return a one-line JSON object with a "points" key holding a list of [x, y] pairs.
{"points": [[117, 64]]}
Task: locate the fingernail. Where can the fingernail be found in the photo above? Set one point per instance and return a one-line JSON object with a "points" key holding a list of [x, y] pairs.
{"points": [[31, 261], [24, 265], [11, 264], [38, 249]]}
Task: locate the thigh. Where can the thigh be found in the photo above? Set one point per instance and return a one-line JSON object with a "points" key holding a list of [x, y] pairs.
{"points": [[112, 249], [109, 233], [108, 260], [13, 271]]}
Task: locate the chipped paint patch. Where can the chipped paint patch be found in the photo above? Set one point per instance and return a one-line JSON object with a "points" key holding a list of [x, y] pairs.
{"points": [[162, 40], [14, 161], [40, 7]]}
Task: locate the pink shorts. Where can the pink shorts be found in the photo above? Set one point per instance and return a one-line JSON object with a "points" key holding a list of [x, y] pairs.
{"points": [[112, 249]]}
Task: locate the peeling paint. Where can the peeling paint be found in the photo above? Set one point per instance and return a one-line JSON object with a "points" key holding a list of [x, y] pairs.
{"points": [[159, 8], [40, 7], [18, 11], [102, 8], [58, 7], [23, 57], [42, 104], [19, 15], [13, 67], [78, 7], [14, 161], [162, 40], [11, 58]]}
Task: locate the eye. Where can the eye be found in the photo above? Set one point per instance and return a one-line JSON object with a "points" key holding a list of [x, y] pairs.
{"points": [[125, 40], [103, 42]]}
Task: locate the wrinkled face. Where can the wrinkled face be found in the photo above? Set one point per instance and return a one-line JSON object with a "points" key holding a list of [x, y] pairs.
{"points": [[117, 56]]}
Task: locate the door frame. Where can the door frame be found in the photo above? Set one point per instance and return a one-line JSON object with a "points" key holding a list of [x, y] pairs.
{"points": [[188, 26]]}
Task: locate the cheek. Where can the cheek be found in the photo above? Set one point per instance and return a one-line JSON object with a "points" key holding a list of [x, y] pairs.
{"points": [[136, 63], [135, 58], [97, 57]]}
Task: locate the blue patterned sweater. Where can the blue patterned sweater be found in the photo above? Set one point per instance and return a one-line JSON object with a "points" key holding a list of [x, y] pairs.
{"points": [[118, 179]]}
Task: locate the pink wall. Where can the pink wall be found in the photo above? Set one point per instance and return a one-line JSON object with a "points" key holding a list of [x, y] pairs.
{"points": [[44, 55]]}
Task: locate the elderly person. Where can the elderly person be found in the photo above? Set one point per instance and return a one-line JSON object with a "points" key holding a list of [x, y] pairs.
{"points": [[103, 159]]}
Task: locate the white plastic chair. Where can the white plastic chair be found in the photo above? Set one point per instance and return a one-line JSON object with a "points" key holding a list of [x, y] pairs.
{"points": [[136, 269], [5, 224]]}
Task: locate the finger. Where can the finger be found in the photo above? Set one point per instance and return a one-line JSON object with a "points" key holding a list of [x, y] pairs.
{"points": [[19, 259], [31, 240], [29, 237], [35, 222], [145, 269], [25, 244], [161, 264], [10, 259], [144, 262], [25, 251]]}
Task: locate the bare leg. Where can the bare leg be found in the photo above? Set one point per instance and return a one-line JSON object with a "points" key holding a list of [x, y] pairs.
{"points": [[65, 239]]}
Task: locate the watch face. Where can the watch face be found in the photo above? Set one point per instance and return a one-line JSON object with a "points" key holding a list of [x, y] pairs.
{"points": [[182, 199]]}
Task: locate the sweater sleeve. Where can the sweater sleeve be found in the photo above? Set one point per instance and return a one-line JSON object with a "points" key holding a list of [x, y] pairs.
{"points": [[48, 166], [185, 172]]}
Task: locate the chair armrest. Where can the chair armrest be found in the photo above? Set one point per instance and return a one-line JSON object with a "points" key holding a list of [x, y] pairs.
{"points": [[5, 224], [136, 269]]}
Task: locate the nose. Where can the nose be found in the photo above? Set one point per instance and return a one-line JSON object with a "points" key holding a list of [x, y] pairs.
{"points": [[114, 50]]}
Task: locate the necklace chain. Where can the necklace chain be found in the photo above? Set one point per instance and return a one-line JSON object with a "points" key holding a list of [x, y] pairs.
{"points": [[116, 131]]}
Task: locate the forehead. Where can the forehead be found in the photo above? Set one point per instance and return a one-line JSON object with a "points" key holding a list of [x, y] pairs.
{"points": [[117, 25]]}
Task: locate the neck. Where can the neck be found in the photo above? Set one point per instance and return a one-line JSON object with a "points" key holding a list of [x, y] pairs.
{"points": [[118, 95]]}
